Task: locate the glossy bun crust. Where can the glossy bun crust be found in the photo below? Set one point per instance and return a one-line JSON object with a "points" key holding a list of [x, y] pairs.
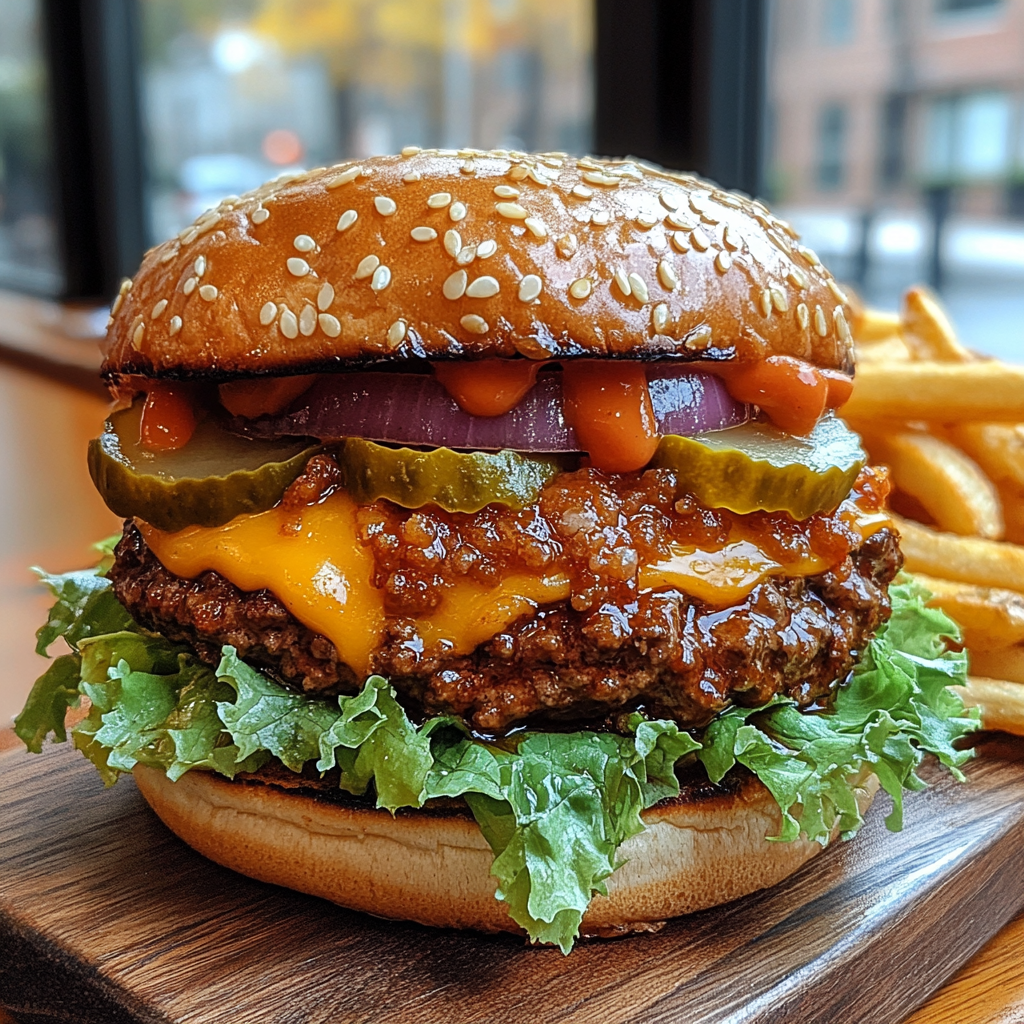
{"points": [[437, 254], [703, 848]]}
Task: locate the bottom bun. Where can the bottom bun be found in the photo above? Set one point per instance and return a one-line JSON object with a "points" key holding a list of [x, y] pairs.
{"points": [[701, 849]]}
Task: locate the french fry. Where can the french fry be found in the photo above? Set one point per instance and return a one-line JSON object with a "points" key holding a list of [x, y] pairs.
{"points": [[937, 392], [1013, 512], [1001, 702], [985, 563], [998, 448], [890, 350], [872, 326], [927, 331], [1003, 663], [951, 488], [989, 617]]}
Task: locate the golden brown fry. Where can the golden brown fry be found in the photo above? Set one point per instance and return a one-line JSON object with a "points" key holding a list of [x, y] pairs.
{"points": [[927, 331], [953, 490], [890, 350], [989, 617], [997, 447], [1004, 663], [985, 563], [1013, 512], [873, 326], [1001, 702], [937, 392]]}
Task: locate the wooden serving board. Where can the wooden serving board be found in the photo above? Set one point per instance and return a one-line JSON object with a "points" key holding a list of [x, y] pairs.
{"points": [[106, 918]]}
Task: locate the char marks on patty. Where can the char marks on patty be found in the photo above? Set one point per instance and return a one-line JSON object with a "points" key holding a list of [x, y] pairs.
{"points": [[796, 636]]}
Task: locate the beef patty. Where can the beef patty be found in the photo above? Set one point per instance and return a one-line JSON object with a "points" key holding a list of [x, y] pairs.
{"points": [[679, 658]]}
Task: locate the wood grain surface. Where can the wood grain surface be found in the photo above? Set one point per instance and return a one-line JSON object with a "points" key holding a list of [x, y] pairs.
{"points": [[106, 917]]}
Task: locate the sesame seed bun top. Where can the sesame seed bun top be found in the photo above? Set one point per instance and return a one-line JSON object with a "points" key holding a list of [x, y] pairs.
{"points": [[441, 254]]}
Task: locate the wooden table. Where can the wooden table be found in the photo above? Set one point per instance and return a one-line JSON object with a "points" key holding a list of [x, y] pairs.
{"points": [[50, 514]]}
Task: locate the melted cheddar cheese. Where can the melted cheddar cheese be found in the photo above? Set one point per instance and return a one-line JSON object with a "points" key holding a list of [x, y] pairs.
{"points": [[318, 568]]}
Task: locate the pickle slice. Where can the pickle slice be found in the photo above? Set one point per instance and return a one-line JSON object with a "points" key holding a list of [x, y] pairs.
{"points": [[758, 467], [456, 481], [207, 482]]}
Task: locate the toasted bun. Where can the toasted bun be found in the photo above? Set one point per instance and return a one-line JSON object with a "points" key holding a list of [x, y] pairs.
{"points": [[442, 255], [434, 867]]}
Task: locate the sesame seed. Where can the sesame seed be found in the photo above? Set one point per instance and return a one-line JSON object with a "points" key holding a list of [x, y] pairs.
{"points": [[454, 286], [137, 335], [344, 178], [622, 281], [447, 152], [513, 211], [581, 288], [267, 313], [289, 324], [259, 215], [158, 309], [582, 192], [803, 316], [536, 227], [529, 288], [723, 261], [168, 256], [475, 324], [483, 288], [535, 176], [518, 172], [599, 178], [396, 333], [679, 220], [837, 291], [325, 296], [296, 266], [381, 279], [567, 246], [457, 211], [466, 256], [670, 199], [347, 219], [304, 243], [385, 205], [506, 191], [487, 248], [646, 221], [639, 287], [367, 265], [452, 242], [330, 325], [820, 324], [601, 218], [730, 239], [439, 200], [307, 321], [423, 234], [841, 325], [190, 285], [779, 299], [199, 266], [797, 278], [659, 317], [810, 255], [680, 241], [699, 240], [668, 276], [411, 176], [190, 236], [766, 302], [410, 150], [174, 326], [468, 167], [208, 292]]}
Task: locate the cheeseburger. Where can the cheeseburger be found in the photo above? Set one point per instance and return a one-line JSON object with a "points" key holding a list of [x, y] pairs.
{"points": [[493, 554]]}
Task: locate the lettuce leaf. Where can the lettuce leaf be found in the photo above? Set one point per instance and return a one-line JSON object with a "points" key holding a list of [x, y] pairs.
{"points": [[554, 807]]}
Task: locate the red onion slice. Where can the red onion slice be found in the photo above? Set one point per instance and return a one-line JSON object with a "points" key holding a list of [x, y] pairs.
{"points": [[407, 408]]}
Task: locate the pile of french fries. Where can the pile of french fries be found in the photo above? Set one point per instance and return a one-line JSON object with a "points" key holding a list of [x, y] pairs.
{"points": [[949, 424]]}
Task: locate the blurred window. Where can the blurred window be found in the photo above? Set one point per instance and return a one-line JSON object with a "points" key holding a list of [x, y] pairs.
{"points": [[967, 6], [29, 258], [838, 21], [969, 136], [237, 91], [831, 145]]}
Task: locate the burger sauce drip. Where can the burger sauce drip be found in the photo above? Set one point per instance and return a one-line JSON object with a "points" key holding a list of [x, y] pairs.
{"points": [[490, 387], [609, 406], [168, 417]]}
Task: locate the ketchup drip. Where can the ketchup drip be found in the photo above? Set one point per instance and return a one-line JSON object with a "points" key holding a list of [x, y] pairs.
{"points": [[609, 407]]}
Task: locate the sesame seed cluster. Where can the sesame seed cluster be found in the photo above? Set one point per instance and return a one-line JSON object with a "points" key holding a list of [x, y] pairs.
{"points": [[443, 253]]}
